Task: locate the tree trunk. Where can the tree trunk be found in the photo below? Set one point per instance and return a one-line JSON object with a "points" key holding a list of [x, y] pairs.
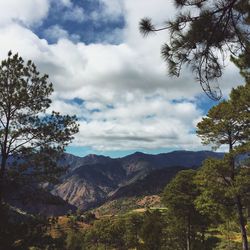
{"points": [[1, 188], [203, 238], [188, 234], [242, 224], [238, 203], [2, 170]]}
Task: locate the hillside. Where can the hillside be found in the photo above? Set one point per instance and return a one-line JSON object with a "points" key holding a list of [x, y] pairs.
{"points": [[35, 200], [93, 180], [153, 183]]}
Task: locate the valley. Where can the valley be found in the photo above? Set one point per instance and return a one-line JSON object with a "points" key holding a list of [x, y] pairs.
{"points": [[93, 180]]}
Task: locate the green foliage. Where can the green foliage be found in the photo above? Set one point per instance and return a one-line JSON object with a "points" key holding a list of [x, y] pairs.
{"points": [[219, 191], [228, 245], [180, 193], [31, 140], [133, 224], [185, 223], [88, 217], [152, 230], [29, 135], [119, 206], [22, 231], [227, 123], [225, 184], [200, 31], [243, 63], [72, 220], [74, 241], [215, 197]]}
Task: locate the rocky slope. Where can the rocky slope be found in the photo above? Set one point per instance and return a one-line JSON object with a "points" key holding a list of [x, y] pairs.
{"points": [[94, 179]]}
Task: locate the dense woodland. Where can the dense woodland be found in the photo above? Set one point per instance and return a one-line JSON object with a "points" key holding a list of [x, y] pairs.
{"points": [[207, 208]]}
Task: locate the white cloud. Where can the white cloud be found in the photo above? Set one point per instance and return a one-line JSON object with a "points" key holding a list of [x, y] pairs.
{"points": [[112, 9], [75, 13], [56, 32], [69, 11], [127, 82], [66, 3], [28, 12], [115, 36], [131, 126]]}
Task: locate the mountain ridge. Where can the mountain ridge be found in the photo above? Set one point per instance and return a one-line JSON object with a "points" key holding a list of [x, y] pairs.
{"points": [[94, 179]]}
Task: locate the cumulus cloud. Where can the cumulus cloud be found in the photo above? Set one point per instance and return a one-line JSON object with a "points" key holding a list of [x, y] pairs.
{"points": [[131, 126], [56, 32], [28, 12], [127, 97], [75, 13], [65, 3], [69, 11], [111, 10]]}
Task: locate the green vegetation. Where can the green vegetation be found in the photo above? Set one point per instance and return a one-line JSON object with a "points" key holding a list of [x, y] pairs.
{"points": [[202, 30], [179, 197], [153, 229], [23, 231], [225, 183], [30, 141], [30, 138], [125, 205]]}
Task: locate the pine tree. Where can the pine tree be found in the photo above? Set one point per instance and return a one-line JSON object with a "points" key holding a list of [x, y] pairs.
{"points": [[179, 197], [202, 34], [30, 138], [226, 181]]}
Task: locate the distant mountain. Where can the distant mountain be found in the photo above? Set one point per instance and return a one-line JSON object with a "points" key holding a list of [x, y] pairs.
{"points": [[74, 162], [94, 179], [153, 183], [88, 185]]}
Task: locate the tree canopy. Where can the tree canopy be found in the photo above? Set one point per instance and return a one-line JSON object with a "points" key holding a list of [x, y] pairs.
{"points": [[30, 137], [228, 123], [179, 197], [226, 183], [202, 35]]}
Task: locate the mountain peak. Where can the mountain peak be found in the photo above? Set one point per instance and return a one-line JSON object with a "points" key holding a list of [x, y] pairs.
{"points": [[95, 156], [92, 155], [138, 153]]}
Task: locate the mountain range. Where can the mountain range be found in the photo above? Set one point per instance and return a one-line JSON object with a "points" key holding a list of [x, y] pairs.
{"points": [[95, 179]]}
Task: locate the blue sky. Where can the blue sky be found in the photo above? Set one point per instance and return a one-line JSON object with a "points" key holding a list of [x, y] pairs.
{"points": [[78, 18], [107, 74]]}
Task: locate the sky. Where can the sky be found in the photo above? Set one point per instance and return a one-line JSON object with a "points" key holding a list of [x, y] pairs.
{"points": [[108, 75]]}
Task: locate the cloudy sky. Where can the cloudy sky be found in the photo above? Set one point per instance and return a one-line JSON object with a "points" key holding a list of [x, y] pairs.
{"points": [[107, 74]]}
